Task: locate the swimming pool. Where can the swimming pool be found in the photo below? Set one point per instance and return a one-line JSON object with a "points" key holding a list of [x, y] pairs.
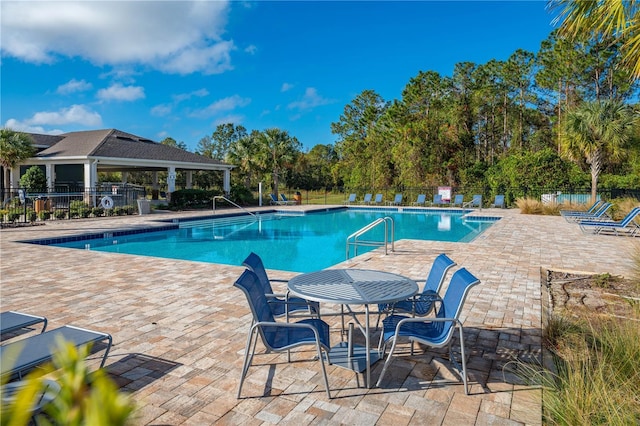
{"points": [[302, 242]]}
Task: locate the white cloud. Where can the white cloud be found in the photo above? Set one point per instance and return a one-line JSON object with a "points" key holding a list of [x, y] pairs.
{"points": [[286, 87], [75, 114], [118, 92], [200, 93], [231, 118], [172, 36], [161, 110], [226, 104], [251, 49], [73, 86], [311, 99]]}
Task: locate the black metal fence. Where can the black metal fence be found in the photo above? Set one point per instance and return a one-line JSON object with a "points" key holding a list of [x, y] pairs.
{"points": [[22, 206]]}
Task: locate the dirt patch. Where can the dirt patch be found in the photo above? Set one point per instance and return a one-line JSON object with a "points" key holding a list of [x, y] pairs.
{"points": [[579, 294]]}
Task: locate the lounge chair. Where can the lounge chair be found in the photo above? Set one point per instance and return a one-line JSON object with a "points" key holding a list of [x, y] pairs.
{"points": [[11, 321], [599, 214], [280, 304], [458, 200], [287, 201], [279, 336], [435, 331], [274, 200], [397, 201], [378, 199], [437, 200], [352, 199], [367, 199], [23, 355], [476, 201], [421, 201], [590, 210], [626, 226], [421, 304], [498, 202]]}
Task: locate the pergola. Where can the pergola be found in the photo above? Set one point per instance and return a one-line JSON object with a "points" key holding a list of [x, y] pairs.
{"points": [[81, 155]]}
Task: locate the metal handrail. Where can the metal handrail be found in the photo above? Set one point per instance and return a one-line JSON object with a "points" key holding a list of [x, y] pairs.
{"points": [[385, 220], [231, 202]]}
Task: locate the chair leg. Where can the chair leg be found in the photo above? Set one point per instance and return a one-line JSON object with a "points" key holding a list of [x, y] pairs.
{"points": [[247, 359], [387, 362], [324, 370], [464, 362]]}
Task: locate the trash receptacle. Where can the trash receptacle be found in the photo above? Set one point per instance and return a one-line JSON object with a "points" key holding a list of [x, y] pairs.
{"points": [[297, 198], [144, 207], [39, 205]]}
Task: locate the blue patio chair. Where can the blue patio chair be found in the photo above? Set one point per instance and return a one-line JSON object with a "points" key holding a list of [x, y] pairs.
{"points": [[435, 331], [437, 200], [458, 200], [278, 336], [378, 199], [476, 201], [280, 304], [286, 201], [423, 303], [11, 321], [274, 200], [25, 354], [397, 201], [421, 201], [352, 199], [600, 213], [626, 226], [590, 210], [367, 199], [498, 202]]}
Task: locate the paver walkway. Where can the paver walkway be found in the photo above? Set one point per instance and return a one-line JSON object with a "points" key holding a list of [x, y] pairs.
{"points": [[179, 327]]}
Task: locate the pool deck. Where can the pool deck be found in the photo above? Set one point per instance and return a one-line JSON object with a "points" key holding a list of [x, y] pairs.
{"points": [[179, 327]]}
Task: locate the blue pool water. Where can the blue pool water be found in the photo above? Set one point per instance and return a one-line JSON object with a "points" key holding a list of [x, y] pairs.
{"points": [[297, 243]]}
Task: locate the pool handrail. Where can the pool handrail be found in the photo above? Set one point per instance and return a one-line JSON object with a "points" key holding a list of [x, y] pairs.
{"points": [[386, 220], [231, 202]]}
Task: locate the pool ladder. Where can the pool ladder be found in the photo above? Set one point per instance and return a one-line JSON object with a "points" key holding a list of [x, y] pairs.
{"points": [[352, 240]]}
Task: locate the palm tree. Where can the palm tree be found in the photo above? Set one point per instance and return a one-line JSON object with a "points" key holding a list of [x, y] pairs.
{"points": [[617, 19], [14, 148], [278, 150], [597, 131]]}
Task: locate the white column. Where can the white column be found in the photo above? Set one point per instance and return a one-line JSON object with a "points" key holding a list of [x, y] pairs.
{"points": [[171, 179], [226, 182], [90, 174], [189, 179], [50, 171], [125, 176], [14, 175]]}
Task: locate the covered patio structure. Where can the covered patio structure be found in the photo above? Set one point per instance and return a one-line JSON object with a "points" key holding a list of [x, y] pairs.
{"points": [[76, 158]]}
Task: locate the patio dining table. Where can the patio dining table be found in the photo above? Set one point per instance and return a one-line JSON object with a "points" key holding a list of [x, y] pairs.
{"points": [[350, 287]]}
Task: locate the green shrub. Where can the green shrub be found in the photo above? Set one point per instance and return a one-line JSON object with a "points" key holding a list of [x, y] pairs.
{"points": [[60, 214], [97, 211], [119, 211], [192, 198], [13, 216], [129, 209], [44, 215], [84, 398], [31, 215], [34, 180], [79, 208]]}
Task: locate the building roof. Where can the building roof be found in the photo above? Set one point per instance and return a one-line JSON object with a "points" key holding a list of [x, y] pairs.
{"points": [[112, 145]]}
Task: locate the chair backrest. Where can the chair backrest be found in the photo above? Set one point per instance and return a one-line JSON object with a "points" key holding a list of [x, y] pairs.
{"points": [[284, 197], [352, 198], [438, 271], [437, 199], [594, 206], [630, 216], [254, 263], [249, 283], [458, 199], [422, 198], [477, 200], [273, 197], [378, 198], [398, 199], [602, 209], [367, 198], [499, 201]]}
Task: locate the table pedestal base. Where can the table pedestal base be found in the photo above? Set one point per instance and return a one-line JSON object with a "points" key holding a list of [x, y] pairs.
{"points": [[357, 362]]}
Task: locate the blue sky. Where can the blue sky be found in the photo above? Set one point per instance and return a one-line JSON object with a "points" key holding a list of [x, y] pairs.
{"points": [[178, 69]]}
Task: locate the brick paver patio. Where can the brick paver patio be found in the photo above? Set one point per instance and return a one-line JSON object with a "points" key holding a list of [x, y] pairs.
{"points": [[179, 327]]}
